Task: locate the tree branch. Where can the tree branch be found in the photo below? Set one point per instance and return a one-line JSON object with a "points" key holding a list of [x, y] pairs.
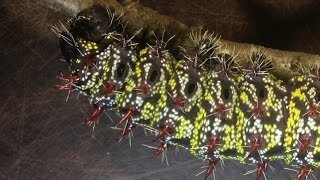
{"points": [[139, 17]]}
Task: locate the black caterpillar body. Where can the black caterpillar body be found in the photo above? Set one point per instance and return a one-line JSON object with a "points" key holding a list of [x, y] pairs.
{"points": [[204, 103]]}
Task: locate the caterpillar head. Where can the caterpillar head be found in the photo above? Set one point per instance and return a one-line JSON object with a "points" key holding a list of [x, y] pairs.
{"points": [[91, 26], [93, 23], [73, 46]]}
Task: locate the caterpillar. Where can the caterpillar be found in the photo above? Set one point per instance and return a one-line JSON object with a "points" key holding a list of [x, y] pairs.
{"points": [[204, 102]]}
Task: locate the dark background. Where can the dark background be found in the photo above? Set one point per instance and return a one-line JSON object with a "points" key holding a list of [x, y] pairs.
{"points": [[42, 136]]}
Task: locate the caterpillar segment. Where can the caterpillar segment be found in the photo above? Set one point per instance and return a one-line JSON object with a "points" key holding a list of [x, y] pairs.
{"points": [[145, 89], [94, 60], [215, 106], [216, 135], [215, 139], [183, 113], [144, 96], [79, 55], [118, 61], [302, 142], [183, 110], [98, 62], [118, 64], [186, 89], [91, 71], [261, 114]]}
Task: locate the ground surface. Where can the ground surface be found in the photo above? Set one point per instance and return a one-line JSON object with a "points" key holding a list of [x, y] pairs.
{"points": [[42, 136]]}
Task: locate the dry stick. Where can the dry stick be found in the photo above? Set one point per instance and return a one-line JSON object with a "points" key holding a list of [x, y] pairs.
{"points": [[139, 16]]}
